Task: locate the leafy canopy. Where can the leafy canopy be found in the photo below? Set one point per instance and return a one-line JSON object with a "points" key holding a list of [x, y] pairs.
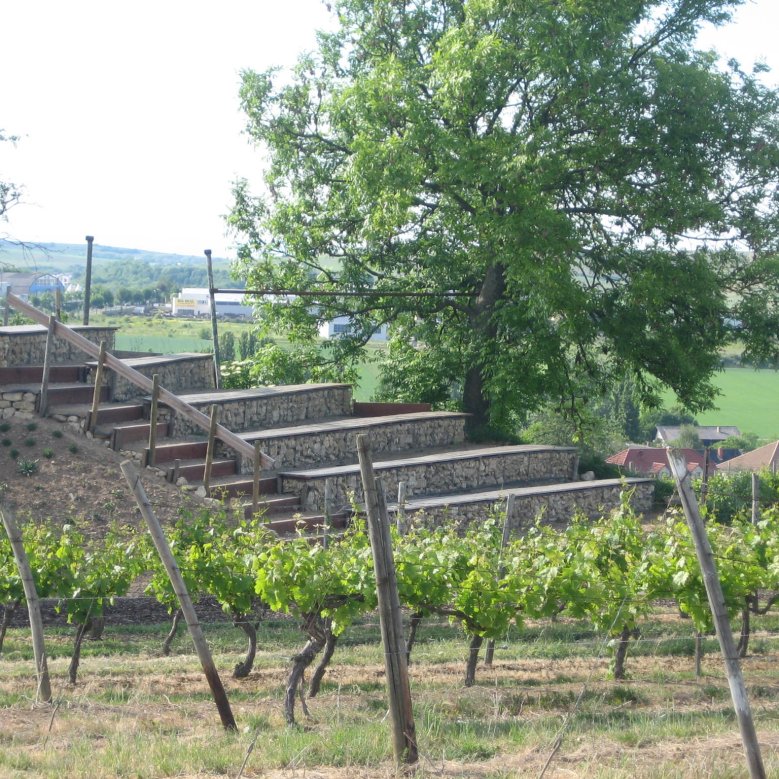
{"points": [[600, 196]]}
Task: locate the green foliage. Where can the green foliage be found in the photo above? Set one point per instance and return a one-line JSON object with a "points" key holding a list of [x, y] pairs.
{"points": [[31, 426], [5, 427], [688, 438], [6, 442], [729, 495], [27, 467], [57, 433], [544, 161], [226, 346], [73, 448], [13, 454], [48, 453], [29, 442]]}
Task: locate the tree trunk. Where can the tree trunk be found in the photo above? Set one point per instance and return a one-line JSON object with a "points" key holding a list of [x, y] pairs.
{"points": [[473, 658], [8, 611], [315, 628], [81, 631], [244, 668], [413, 624], [621, 653], [327, 656], [174, 629], [698, 653], [743, 639], [96, 632]]}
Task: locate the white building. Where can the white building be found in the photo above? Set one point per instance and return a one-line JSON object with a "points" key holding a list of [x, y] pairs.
{"points": [[341, 325], [194, 302]]}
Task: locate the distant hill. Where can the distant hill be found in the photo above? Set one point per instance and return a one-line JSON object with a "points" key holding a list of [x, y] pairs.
{"points": [[114, 265]]}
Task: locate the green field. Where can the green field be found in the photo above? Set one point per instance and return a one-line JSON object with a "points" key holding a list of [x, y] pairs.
{"points": [[749, 399]]}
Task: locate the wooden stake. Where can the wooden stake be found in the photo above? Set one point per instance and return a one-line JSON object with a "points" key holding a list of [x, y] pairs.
{"points": [[755, 498], [721, 622], [43, 399], [400, 514], [210, 449], [98, 388], [88, 279], [153, 412], [328, 518], [176, 580], [212, 307], [256, 480], [510, 498], [33, 605], [403, 730]]}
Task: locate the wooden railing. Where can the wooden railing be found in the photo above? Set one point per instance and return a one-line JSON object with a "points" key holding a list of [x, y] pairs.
{"points": [[228, 438]]}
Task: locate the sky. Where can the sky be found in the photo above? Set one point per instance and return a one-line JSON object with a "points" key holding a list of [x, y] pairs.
{"points": [[128, 114]]}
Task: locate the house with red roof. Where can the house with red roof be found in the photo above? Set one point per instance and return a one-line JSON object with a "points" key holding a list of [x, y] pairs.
{"points": [[764, 457], [653, 461]]}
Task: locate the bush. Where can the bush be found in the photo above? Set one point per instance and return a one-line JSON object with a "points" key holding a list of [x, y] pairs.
{"points": [[27, 467], [73, 448], [29, 442], [57, 433], [7, 442], [730, 495], [48, 453], [14, 453]]}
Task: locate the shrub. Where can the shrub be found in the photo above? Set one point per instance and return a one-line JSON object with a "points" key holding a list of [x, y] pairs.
{"points": [[29, 442], [57, 433], [32, 426], [73, 448], [48, 453], [7, 442], [27, 467], [14, 453], [5, 427]]}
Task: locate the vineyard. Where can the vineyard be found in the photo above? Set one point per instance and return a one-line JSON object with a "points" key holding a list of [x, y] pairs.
{"points": [[595, 626]]}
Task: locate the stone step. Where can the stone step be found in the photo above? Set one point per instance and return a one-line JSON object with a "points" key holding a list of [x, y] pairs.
{"points": [[334, 442], [241, 487], [127, 433], [194, 470], [556, 503], [71, 393], [438, 473], [262, 407], [32, 375]]}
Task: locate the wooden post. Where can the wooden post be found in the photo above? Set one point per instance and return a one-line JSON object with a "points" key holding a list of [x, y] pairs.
{"points": [[58, 303], [33, 605], [212, 306], [721, 622], [705, 480], [256, 480], [163, 549], [328, 520], [176, 469], [755, 498], [510, 498], [43, 399], [98, 388], [404, 740], [210, 449], [88, 280], [400, 514], [153, 413], [7, 307]]}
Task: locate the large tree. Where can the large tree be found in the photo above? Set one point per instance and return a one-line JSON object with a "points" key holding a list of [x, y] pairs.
{"points": [[585, 195], [10, 193]]}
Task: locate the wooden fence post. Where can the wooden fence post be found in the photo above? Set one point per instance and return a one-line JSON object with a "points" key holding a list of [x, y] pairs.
{"points": [[212, 308], [210, 449], [755, 498], [719, 612], [88, 280], [198, 639], [328, 520], [43, 398], [153, 413], [33, 605], [256, 479], [98, 390], [510, 498], [400, 514], [403, 729]]}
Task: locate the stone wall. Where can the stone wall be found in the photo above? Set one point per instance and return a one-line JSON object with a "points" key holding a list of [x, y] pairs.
{"points": [[26, 344], [557, 504], [263, 407], [21, 402], [177, 374], [338, 444], [439, 475]]}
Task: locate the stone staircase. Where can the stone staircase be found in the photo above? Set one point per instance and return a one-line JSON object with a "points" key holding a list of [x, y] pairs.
{"points": [[310, 431]]}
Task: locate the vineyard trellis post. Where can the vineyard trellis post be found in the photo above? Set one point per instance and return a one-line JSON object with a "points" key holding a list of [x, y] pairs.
{"points": [[43, 399], [755, 498], [153, 414], [210, 450], [33, 604], [88, 280], [510, 498], [719, 612], [404, 741], [92, 423], [180, 588], [212, 309]]}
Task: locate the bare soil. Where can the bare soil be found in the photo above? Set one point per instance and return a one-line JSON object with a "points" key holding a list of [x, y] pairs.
{"points": [[73, 477]]}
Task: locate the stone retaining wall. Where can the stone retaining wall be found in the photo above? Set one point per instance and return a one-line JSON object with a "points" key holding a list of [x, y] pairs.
{"points": [[26, 344], [338, 446], [195, 372], [591, 498], [17, 402], [273, 408], [439, 476]]}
